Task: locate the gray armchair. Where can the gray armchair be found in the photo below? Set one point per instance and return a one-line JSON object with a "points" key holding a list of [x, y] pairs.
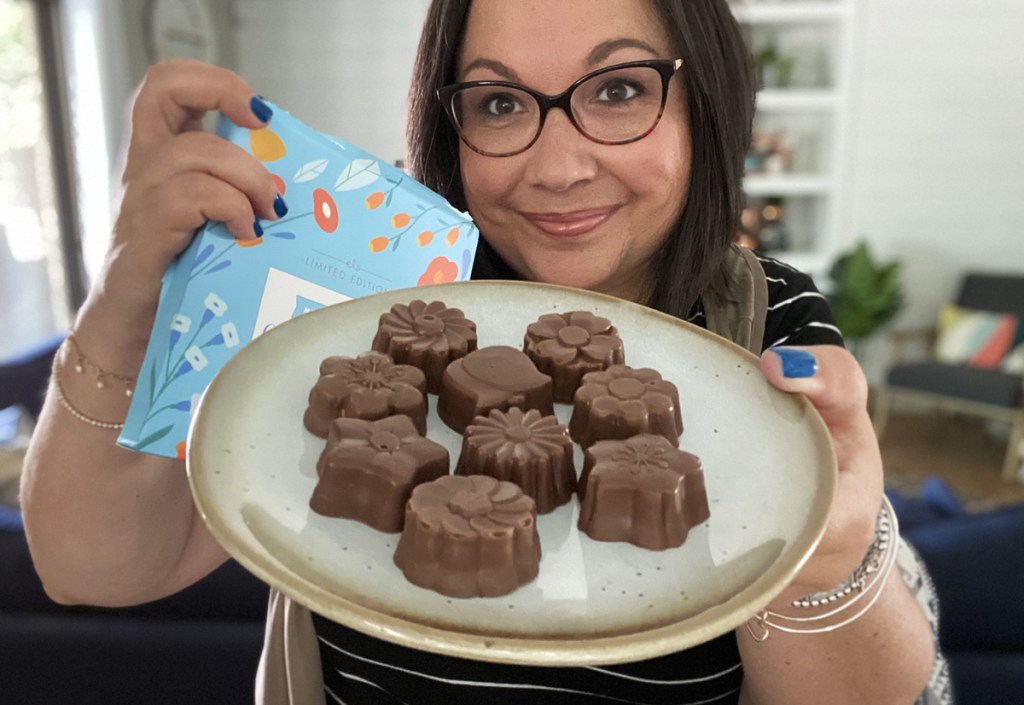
{"points": [[962, 389]]}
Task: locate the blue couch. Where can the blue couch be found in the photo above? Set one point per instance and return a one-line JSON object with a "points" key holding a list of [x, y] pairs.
{"points": [[977, 564]]}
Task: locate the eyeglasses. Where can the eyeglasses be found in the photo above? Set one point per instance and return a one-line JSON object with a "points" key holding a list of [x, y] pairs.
{"points": [[613, 105]]}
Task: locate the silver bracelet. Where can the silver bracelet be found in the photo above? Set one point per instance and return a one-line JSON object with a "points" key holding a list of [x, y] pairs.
{"points": [[870, 577]]}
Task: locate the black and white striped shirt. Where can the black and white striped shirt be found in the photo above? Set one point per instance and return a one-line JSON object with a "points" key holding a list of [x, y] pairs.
{"points": [[361, 670]]}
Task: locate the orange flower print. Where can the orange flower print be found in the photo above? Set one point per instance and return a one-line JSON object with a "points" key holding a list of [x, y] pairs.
{"points": [[179, 450], [279, 182], [452, 236], [400, 220], [252, 242], [325, 211], [439, 271], [425, 238], [378, 244], [374, 200]]}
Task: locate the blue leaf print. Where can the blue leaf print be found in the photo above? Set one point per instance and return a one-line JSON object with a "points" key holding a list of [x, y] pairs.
{"points": [[185, 405], [284, 236], [219, 266], [153, 437], [207, 317], [215, 340], [175, 337], [185, 368], [203, 256], [467, 257]]}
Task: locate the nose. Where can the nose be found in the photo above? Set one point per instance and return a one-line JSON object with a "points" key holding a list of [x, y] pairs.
{"points": [[561, 157]]}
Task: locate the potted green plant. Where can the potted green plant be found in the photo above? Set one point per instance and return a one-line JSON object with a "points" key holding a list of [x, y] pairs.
{"points": [[864, 294]]}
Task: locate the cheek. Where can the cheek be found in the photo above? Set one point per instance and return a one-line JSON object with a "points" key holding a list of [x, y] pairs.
{"points": [[485, 185]]}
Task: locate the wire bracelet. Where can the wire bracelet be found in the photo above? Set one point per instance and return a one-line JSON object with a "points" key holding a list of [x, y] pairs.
{"points": [[866, 583]]}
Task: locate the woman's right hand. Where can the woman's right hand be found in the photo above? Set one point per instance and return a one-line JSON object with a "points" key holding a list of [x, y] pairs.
{"points": [[109, 526], [176, 177]]}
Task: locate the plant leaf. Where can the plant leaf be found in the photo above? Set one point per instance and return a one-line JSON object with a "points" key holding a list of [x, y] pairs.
{"points": [[153, 437], [310, 170], [357, 174]]}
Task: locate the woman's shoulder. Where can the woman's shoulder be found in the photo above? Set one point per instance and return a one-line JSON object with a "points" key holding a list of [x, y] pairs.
{"points": [[798, 313]]}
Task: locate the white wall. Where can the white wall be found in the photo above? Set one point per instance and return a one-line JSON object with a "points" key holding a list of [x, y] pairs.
{"points": [[938, 142], [342, 67]]}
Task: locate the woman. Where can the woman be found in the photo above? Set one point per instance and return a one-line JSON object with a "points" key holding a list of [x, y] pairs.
{"points": [[603, 194]]}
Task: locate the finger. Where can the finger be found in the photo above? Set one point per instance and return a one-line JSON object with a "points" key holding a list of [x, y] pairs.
{"points": [[175, 95], [202, 152], [828, 376]]}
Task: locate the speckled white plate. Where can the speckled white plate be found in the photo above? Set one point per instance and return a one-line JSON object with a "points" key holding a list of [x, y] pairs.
{"points": [[769, 469]]}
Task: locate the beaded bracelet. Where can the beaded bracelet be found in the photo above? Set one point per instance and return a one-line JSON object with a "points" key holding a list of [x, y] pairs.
{"points": [[867, 579], [102, 375]]}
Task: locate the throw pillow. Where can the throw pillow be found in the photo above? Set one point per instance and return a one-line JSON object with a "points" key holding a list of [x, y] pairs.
{"points": [[974, 338]]}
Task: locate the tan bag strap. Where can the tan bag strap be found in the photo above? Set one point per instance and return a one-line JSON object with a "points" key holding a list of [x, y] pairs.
{"points": [[736, 303], [289, 672]]}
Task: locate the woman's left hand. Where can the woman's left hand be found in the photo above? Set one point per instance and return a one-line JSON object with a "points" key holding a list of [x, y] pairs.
{"points": [[833, 382]]}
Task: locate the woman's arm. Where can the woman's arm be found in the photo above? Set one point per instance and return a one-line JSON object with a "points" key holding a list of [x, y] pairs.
{"points": [[105, 525], [884, 656]]}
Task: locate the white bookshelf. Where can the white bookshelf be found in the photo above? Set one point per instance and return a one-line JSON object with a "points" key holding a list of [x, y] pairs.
{"points": [[810, 113]]}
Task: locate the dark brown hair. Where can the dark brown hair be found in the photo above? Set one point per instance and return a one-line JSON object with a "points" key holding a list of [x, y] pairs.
{"points": [[720, 90]]}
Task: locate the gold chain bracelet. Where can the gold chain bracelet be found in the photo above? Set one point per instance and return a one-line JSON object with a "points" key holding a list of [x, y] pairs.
{"points": [[62, 398]]}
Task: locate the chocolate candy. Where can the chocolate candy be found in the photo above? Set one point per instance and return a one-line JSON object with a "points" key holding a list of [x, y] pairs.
{"points": [[566, 346], [527, 448], [494, 377], [427, 336], [641, 490], [469, 536], [368, 470], [621, 402], [370, 386]]}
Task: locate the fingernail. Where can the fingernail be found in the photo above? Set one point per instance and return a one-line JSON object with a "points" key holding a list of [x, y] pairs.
{"points": [[260, 109], [796, 363], [257, 228], [280, 207]]}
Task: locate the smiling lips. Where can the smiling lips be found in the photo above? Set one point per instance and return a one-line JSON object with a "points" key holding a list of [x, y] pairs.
{"points": [[572, 223]]}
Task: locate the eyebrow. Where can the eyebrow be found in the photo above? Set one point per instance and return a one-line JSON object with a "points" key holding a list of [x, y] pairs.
{"points": [[598, 54]]}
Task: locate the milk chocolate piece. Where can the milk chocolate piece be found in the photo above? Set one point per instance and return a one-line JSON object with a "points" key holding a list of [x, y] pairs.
{"points": [[621, 402], [569, 345], [469, 536], [532, 450], [427, 336], [369, 387], [368, 470], [641, 490], [494, 377]]}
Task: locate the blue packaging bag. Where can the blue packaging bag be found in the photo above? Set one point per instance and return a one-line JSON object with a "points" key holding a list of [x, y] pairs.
{"points": [[355, 226]]}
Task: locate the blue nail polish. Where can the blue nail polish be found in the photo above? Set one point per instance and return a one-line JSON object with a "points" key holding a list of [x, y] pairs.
{"points": [[796, 363], [260, 109], [280, 207], [257, 228]]}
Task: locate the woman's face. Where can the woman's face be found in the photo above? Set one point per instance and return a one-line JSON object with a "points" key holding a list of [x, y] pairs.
{"points": [[568, 210]]}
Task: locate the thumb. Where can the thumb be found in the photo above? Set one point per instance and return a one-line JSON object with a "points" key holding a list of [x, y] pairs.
{"points": [[828, 376]]}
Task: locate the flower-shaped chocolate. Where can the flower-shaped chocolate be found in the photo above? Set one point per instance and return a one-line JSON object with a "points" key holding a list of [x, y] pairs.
{"points": [[428, 336], [368, 470], [621, 402], [568, 345], [370, 386], [641, 490], [469, 536], [527, 448]]}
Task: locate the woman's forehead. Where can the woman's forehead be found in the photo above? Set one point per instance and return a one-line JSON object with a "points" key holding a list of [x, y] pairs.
{"points": [[557, 40]]}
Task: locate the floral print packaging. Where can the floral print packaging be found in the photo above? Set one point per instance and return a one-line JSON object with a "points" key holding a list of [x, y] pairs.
{"points": [[356, 225]]}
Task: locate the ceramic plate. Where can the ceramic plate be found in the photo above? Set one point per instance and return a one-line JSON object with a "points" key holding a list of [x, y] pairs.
{"points": [[768, 462]]}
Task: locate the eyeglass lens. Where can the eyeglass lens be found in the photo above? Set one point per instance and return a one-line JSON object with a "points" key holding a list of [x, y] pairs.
{"points": [[615, 106]]}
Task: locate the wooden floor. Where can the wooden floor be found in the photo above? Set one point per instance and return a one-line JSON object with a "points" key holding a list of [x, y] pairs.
{"points": [[960, 451]]}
